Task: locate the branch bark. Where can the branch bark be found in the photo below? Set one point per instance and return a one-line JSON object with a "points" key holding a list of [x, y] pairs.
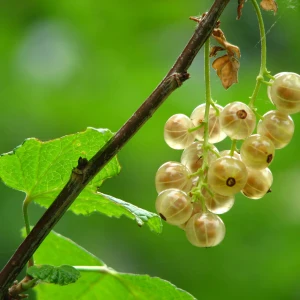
{"points": [[85, 171]]}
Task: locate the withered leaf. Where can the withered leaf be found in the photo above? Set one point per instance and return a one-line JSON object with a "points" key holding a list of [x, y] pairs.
{"points": [[221, 39], [227, 66], [269, 5], [239, 9], [227, 69], [214, 50]]}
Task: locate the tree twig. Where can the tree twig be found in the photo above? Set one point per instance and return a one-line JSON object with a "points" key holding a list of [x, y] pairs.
{"points": [[86, 170]]}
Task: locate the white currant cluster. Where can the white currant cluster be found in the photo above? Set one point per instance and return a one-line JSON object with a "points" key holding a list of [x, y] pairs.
{"points": [[192, 192]]}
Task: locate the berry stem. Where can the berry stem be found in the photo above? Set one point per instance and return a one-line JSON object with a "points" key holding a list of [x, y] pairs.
{"points": [[233, 147], [263, 65], [26, 202]]}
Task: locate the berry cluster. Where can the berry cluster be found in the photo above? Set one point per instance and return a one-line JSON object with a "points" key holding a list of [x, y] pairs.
{"points": [[192, 192]]}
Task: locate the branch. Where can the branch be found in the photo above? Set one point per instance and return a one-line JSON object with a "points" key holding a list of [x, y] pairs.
{"points": [[85, 171]]}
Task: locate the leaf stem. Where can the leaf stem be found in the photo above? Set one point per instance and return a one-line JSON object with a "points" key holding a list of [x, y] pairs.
{"points": [[78, 180], [26, 202], [263, 64]]}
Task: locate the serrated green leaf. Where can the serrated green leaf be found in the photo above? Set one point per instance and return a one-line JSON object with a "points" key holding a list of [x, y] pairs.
{"points": [[62, 275], [41, 170], [102, 284]]}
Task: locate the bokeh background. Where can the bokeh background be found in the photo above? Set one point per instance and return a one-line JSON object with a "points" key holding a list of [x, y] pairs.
{"points": [[66, 65]]}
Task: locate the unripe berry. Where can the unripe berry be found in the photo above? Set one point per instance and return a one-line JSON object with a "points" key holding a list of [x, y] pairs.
{"points": [[214, 131], [176, 131], [192, 156], [173, 175], [285, 92], [278, 127], [258, 183], [205, 230], [257, 152], [174, 206], [227, 175], [237, 120]]}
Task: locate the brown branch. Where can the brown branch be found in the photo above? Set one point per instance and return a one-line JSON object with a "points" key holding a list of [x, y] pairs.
{"points": [[85, 171]]}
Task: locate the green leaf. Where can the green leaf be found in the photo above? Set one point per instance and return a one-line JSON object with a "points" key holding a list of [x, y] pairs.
{"points": [[62, 275], [41, 170], [103, 283]]}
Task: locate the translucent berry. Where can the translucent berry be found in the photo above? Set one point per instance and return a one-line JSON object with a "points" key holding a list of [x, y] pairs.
{"points": [[227, 175], [237, 120], [227, 153], [257, 152], [173, 175], [217, 204], [285, 92], [192, 156], [205, 230], [214, 131], [176, 131], [174, 206], [278, 127], [197, 208], [258, 183]]}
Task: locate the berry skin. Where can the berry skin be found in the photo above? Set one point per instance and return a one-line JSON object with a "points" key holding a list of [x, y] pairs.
{"points": [[217, 204], [237, 120], [258, 183], [173, 175], [192, 156], [205, 230], [227, 153], [214, 131], [278, 127], [285, 92], [176, 132], [227, 175], [257, 152], [174, 206], [197, 208]]}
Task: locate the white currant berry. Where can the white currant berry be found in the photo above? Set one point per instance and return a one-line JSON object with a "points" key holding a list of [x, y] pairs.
{"points": [[176, 131], [214, 131], [217, 204], [285, 92], [192, 156], [205, 230], [257, 152], [227, 153], [278, 127], [227, 175], [197, 208], [258, 183], [237, 120], [174, 206], [173, 175]]}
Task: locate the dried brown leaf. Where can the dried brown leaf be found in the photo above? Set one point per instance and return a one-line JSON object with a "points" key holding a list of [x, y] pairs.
{"points": [[239, 9], [227, 69], [214, 50], [269, 5]]}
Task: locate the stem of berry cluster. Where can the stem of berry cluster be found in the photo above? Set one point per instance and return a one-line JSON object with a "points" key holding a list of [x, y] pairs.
{"points": [[263, 65], [205, 146]]}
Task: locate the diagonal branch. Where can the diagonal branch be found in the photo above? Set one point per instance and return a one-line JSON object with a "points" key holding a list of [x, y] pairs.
{"points": [[85, 171]]}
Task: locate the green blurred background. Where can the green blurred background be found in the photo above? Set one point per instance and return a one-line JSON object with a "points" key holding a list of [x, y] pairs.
{"points": [[66, 65]]}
